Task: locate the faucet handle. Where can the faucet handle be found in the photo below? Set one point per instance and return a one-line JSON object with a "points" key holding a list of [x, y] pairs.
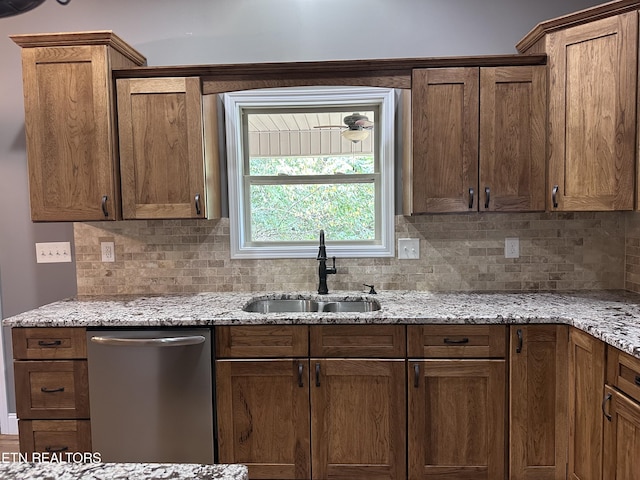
{"points": [[372, 291]]}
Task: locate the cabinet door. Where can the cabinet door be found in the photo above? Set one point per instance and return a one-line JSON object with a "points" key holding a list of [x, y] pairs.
{"points": [[68, 122], [586, 390], [592, 114], [358, 419], [263, 416], [622, 437], [456, 419], [161, 148], [512, 138], [538, 402], [445, 139]]}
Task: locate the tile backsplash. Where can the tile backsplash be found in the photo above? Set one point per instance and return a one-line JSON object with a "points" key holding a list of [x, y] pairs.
{"points": [[632, 253], [558, 251]]}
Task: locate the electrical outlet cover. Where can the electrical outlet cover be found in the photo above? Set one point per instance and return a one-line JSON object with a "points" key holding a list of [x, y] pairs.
{"points": [[512, 247]]}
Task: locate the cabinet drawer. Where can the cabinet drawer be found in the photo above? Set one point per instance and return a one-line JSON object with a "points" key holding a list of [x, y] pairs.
{"points": [[52, 389], [262, 341], [456, 341], [623, 372], [49, 343], [382, 341], [54, 436]]}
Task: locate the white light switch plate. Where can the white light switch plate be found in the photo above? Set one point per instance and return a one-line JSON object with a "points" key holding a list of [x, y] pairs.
{"points": [[512, 247], [53, 252], [408, 248]]}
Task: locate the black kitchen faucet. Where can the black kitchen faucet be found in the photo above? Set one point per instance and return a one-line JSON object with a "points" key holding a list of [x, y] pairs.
{"points": [[323, 270]]}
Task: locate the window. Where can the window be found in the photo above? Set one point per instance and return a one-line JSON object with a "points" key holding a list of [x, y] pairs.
{"points": [[293, 171]]}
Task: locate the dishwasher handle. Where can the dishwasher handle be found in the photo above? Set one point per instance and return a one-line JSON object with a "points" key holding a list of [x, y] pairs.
{"points": [[150, 342]]}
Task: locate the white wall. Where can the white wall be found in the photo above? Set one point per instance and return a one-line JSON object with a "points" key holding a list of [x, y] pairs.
{"points": [[173, 32]]}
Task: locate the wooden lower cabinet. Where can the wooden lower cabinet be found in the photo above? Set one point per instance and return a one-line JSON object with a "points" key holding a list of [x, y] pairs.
{"points": [[538, 402], [358, 419], [456, 419], [263, 416], [621, 437], [55, 436], [586, 392], [52, 389]]}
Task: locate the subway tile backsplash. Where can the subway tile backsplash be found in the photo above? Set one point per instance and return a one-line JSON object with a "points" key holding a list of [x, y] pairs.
{"points": [[558, 251]]}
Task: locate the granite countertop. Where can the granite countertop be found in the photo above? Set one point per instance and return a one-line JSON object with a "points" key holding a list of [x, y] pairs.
{"points": [[120, 471], [612, 316]]}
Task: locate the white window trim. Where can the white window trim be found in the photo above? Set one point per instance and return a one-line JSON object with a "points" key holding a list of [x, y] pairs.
{"points": [[317, 96]]}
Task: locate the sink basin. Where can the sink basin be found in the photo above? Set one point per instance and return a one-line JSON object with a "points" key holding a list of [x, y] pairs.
{"points": [[281, 305], [351, 306]]}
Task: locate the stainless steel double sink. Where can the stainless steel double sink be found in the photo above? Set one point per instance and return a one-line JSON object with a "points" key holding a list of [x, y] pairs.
{"points": [[283, 305]]}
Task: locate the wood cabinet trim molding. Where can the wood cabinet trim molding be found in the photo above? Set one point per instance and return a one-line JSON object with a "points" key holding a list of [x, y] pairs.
{"points": [[576, 18], [67, 39]]}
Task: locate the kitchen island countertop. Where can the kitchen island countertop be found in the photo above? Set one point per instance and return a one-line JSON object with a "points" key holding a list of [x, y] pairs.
{"points": [[120, 471], [612, 316]]}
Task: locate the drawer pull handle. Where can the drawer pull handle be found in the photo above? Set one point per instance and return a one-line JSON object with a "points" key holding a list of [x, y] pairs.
{"points": [[416, 375], [51, 390], [487, 196], [103, 204], [46, 344], [197, 202], [637, 380], [56, 449], [519, 347], [461, 341], [300, 370], [471, 192], [607, 398], [554, 196]]}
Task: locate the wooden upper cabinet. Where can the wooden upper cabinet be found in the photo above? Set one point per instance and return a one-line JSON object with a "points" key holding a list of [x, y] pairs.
{"points": [[512, 138], [445, 139], [69, 123], [592, 114], [162, 150], [478, 139]]}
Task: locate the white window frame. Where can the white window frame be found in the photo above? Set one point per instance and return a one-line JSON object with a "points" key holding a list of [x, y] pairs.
{"points": [[235, 102]]}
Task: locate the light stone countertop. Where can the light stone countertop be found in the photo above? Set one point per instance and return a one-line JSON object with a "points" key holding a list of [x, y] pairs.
{"points": [[120, 471], [612, 316]]}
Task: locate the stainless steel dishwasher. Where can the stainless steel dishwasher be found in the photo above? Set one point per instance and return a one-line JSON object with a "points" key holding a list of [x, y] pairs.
{"points": [[150, 395]]}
